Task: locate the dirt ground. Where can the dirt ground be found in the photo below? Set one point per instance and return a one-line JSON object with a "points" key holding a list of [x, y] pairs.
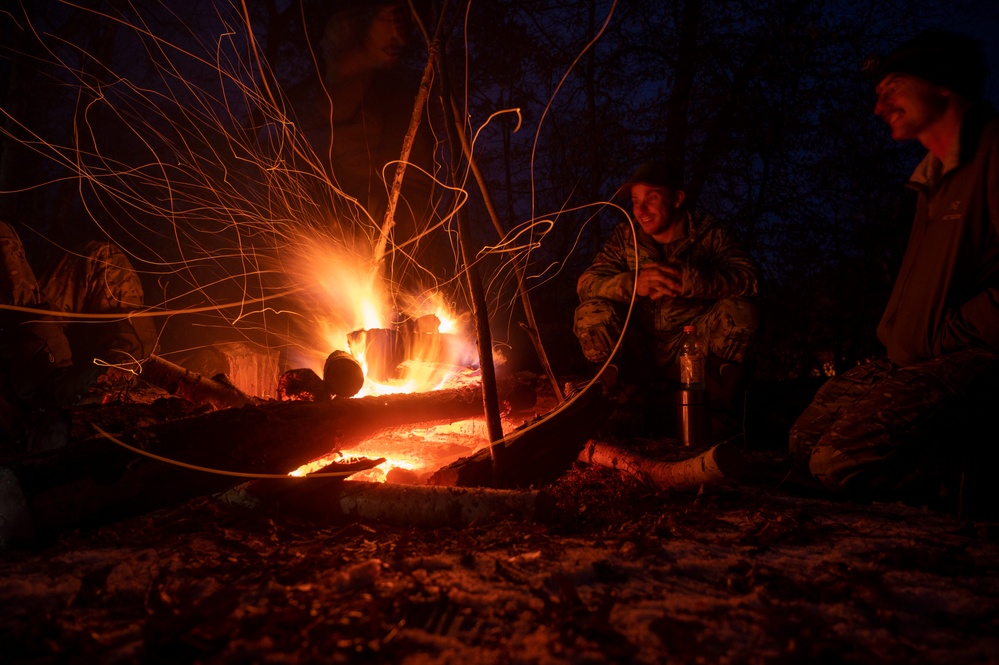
{"points": [[616, 572], [620, 574]]}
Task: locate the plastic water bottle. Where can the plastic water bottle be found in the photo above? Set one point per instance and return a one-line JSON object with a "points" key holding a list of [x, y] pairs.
{"points": [[692, 399], [692, 357]]}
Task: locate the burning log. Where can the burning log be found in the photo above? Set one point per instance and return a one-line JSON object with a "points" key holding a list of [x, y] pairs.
{"points": [[536, 454], [301, 385], [386, 350], [342, 374], [711, 467], [95, 481], [382, 349]]}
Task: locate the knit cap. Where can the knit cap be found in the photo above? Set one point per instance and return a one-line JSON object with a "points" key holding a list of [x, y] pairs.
{"points": [[947, 59]]}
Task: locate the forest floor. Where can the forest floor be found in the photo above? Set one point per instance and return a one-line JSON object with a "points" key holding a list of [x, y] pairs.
{"points": [[620, 572]]}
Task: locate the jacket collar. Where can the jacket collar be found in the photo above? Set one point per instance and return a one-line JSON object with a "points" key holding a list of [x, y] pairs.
{"points": [[931, 169]]}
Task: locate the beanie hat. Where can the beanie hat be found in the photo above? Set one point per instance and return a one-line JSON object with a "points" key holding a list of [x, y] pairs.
{"points": [[657, 174], [947, 59]]}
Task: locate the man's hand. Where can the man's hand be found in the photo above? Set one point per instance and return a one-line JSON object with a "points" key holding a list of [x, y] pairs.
{"points": [[659, 281]]}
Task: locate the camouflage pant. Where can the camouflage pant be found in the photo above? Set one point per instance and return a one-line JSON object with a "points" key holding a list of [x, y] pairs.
{"points": [[880, 431], [729, 327], [98, 279]]}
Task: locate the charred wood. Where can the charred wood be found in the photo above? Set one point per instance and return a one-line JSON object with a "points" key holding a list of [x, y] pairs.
{"points": [[536, 454], [94, 480], [301, 385], [342, 374]]}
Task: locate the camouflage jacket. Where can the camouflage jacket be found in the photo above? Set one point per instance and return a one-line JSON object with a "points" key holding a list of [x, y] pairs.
{"points": [[715, 267]]}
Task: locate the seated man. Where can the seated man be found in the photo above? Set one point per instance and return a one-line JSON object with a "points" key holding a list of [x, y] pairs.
{"points": [[901, 427], [47, 361], [688, 270]]}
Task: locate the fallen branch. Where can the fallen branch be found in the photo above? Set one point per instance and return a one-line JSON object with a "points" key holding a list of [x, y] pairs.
{"points": [[422, 505], [711, 467], [193, 387], [329, 501]]}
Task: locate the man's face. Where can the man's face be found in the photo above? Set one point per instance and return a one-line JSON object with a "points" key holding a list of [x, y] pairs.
{"points": [[655, 208], [387, 35], [909, 105]]}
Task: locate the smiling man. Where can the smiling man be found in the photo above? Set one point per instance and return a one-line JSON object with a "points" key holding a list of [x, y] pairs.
{"points": [[682, 269], [900, 426]]}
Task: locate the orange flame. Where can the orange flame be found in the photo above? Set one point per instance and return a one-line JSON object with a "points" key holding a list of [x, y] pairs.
{"points": [[341, 293]]}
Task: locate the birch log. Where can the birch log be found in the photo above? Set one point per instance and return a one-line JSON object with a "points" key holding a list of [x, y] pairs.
{"points": [[711, 467], [328, 501]]}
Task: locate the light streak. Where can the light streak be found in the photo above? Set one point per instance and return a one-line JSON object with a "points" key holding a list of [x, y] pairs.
{"points": [[189, 156]]}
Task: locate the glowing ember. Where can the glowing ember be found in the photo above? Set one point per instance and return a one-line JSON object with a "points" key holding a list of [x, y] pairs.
{"points": [[419, 451]]}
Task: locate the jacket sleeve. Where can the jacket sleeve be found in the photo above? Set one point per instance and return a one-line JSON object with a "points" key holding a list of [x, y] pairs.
{"points": [[719, 268], [975, 322], [612, 273]]}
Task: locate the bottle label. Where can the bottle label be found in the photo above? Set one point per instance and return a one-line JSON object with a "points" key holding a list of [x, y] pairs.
{"points": [[691, 371]]}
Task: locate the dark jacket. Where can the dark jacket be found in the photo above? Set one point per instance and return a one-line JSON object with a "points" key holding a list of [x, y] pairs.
{"points": [[946, 295]]}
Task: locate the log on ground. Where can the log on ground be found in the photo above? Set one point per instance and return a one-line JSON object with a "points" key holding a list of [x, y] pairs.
{"points": [[423, 505], [95, 481], [716, 465], [536, 454], [192, 386], [326, 501]]}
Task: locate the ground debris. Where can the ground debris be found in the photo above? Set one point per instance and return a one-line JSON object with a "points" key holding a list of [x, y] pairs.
{"points": [[622, 573]]}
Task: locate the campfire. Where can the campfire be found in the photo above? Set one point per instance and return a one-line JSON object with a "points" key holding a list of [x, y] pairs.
{"points": [[242, 219], [417, 355]]}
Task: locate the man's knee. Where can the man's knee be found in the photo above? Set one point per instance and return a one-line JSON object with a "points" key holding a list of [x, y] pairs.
{"points": [[833, 468], [18, 285], [597, 327], [879, 474], [740, 314], [118, 285], [733, 324]]}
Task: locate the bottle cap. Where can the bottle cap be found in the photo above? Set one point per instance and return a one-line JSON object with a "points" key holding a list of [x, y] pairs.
{"points": [[689, 329]]}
